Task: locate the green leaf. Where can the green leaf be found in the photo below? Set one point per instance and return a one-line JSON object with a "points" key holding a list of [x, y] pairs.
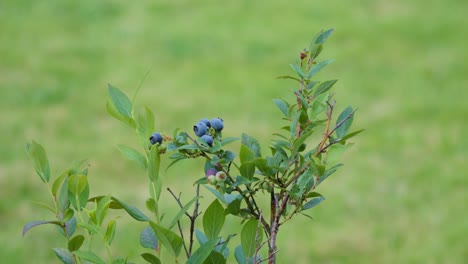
{"points": [[247, 169], [252, 144], [202, 253], [282, 105], [327, 173], [182, 212], [39, 158], [79, 167], [150, 258], [313, 194], [75, 243], [144, 127], [216, 193], [228, 140], [317, 67], [306, 181], [215, 258], [101, 209], [120, 101], [89, 256], [202, 239], [213, 219], [36, 223], [151, 205], [148, 239], [298, 70], [334, 152], [77, 183], [323, 36], [304, 103], [45, 206], [288, 77], [58, 182], [324, 87], [91, 227], [239, 255], [154, 163], [110, 232], [229, 198], [171, 241], [245, 154], [298, 142], [67, 215], [344, 121], [133, 154], [70, 226], [132, 211], [251, 237], [64, 255], [79, 200], [189, 147], [175, 161], [119, 106], [233, 207], [312, 203], [311, 85], [350, 135], [293, 128], [120, 260], [112, 110]]}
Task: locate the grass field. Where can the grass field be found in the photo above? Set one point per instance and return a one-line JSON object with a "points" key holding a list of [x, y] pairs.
{"points": [[402, 195]]}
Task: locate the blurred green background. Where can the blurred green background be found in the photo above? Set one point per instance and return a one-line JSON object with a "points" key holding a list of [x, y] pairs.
{"points": [[401, 197]]}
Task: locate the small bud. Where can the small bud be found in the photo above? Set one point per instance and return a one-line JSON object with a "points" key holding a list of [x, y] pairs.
{"points": [[220, 176], [303, 55]]}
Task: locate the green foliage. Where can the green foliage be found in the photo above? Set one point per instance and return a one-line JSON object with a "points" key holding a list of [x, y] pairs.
{"points": [[213, 219], [251, 237], [39, 158], [288, 177]]}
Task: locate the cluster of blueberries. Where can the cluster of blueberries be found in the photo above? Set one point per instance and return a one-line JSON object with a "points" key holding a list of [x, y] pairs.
{"points": [[213, 176], [202, 127]]}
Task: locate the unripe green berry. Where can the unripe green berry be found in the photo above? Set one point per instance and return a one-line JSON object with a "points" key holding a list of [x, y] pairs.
{"points": [[220, 176], [211, 179], [162, 148]]}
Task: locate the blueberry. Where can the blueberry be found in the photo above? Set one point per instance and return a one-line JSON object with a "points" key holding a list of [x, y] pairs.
{"points": [[200, 129], [156, 138], [211, 179], [220, 176], [206, 121], [208, 139], [210, 172], [217, 124]]}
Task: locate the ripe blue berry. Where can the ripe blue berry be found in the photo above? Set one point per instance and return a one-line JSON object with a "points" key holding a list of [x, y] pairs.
{"points": [[200, 129], [206, 121], [208, 139], [217, 124], [210, 172], [156, 138]]}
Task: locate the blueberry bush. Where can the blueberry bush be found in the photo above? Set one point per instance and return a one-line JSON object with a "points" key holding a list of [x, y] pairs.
{"points": [[288, 177]]}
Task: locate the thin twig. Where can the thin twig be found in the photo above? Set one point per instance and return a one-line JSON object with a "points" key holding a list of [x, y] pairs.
{"points": [[178, 201], [178, 221], [193, 219]]}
